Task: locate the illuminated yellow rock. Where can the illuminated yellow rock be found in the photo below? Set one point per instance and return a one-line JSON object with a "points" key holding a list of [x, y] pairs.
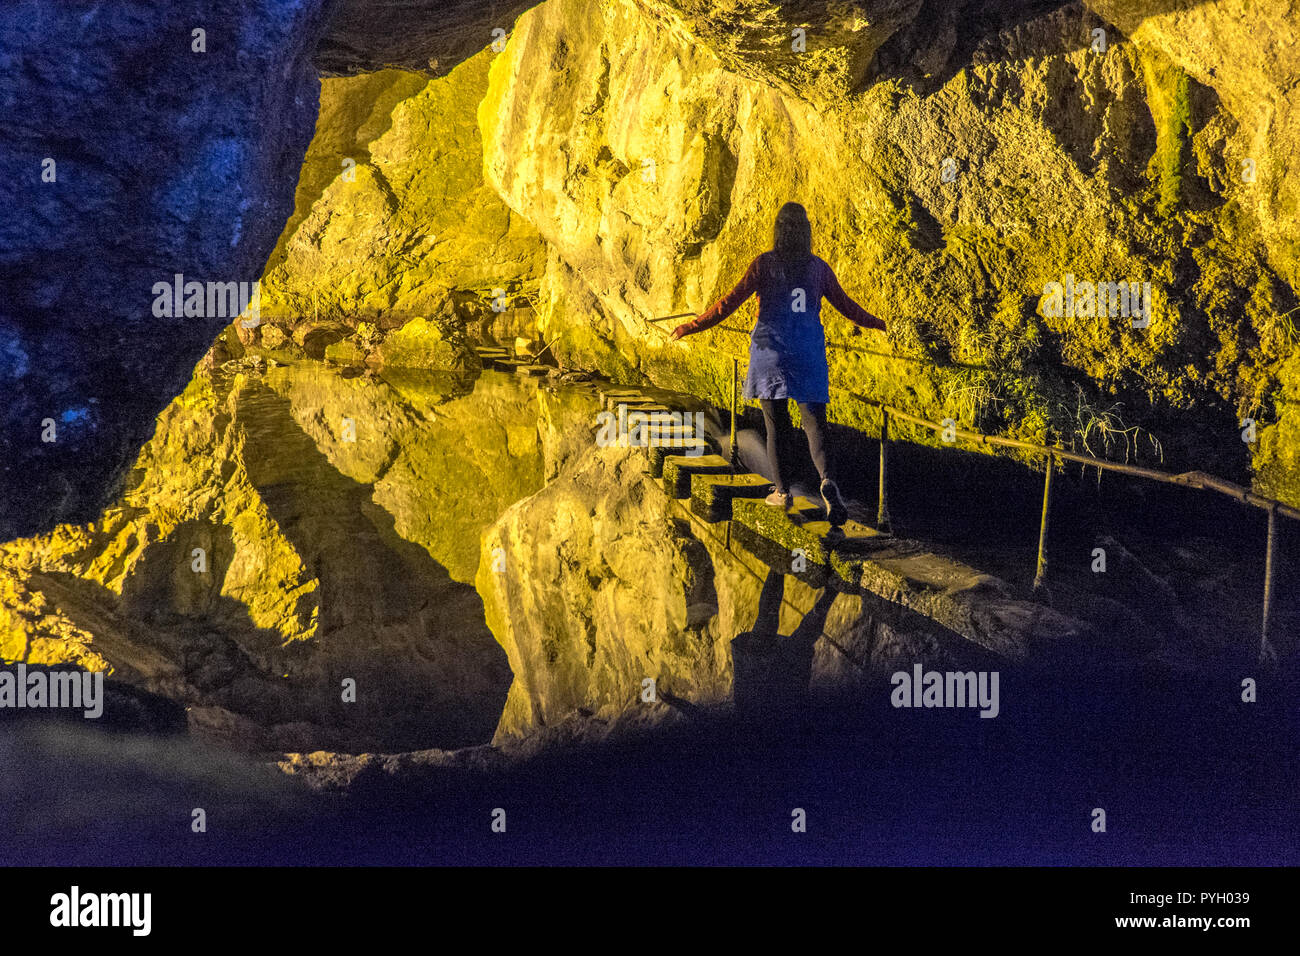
{"points": [[391, 211], [652, 145], [1277, 451], [421, 343], [624, 583], [618, 167]]}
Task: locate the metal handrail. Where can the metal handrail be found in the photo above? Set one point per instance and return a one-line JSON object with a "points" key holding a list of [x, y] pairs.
{"points": [[1191, 479]]}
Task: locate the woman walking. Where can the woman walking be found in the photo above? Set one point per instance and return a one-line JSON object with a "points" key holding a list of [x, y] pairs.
{"points": [[787, 350]]}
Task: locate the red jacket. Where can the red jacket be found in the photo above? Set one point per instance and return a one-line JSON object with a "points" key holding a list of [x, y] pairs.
{"points": [[763, 277]]}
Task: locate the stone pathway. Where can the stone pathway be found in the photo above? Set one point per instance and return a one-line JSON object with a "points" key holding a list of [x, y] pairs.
{"points": [[853, 557], [500, 359]]}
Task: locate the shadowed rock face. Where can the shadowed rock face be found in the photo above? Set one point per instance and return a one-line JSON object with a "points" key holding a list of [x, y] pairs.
{"points": [[816, 49], [129, 157], [426, 36]]}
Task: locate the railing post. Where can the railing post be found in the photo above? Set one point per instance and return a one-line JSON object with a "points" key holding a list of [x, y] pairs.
{"points": [[1040, 574], [1266, 651], [882, 507], [735, 454]]}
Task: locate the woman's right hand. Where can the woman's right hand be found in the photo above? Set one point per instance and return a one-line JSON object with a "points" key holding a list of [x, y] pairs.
{"points": [[681, 330]]}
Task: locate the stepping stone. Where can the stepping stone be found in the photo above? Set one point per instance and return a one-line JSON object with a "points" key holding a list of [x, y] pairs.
{"points": [[803, 528], [712, 495], [679, 468], [776, 556], [490, 358], [660, 452], [674, 446], [533, 370], [649, 407], [677, 441], [611, 402], [648, 418], [621, 393], [665, 430], [638, 403]]}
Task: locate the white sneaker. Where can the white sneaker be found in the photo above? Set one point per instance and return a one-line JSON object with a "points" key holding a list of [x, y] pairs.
{"points": [[779, 499], [836, 512]]}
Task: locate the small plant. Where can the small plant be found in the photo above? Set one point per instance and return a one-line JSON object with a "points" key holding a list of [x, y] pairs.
{"points": [[1284, 327], [914, 337], [1100, 430], [969, 394], [975, 345]]}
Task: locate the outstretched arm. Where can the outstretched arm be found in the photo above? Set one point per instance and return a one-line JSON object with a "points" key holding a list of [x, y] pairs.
{"points": [[850, 309], [728, 304]]}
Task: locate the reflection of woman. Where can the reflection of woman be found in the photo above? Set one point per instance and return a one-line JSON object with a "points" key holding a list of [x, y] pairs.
{"points": [[771, 672], [787, 350]]}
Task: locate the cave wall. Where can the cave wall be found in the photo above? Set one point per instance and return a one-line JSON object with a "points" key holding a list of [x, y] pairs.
{"points": [[429, 37], [392, 218], [957, 157], [172, 154], [166, 160], [1067, 160]]}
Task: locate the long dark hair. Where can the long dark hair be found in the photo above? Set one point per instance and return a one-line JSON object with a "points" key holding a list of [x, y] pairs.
{"points": [[792, 240]]}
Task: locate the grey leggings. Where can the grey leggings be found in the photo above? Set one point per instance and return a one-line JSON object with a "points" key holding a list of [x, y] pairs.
{"points": [[776, 420]]}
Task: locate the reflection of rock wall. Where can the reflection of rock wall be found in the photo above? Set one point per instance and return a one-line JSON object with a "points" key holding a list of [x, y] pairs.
{"points": [[651, 146], [598, 587], [392, 213], [326, 558]]}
